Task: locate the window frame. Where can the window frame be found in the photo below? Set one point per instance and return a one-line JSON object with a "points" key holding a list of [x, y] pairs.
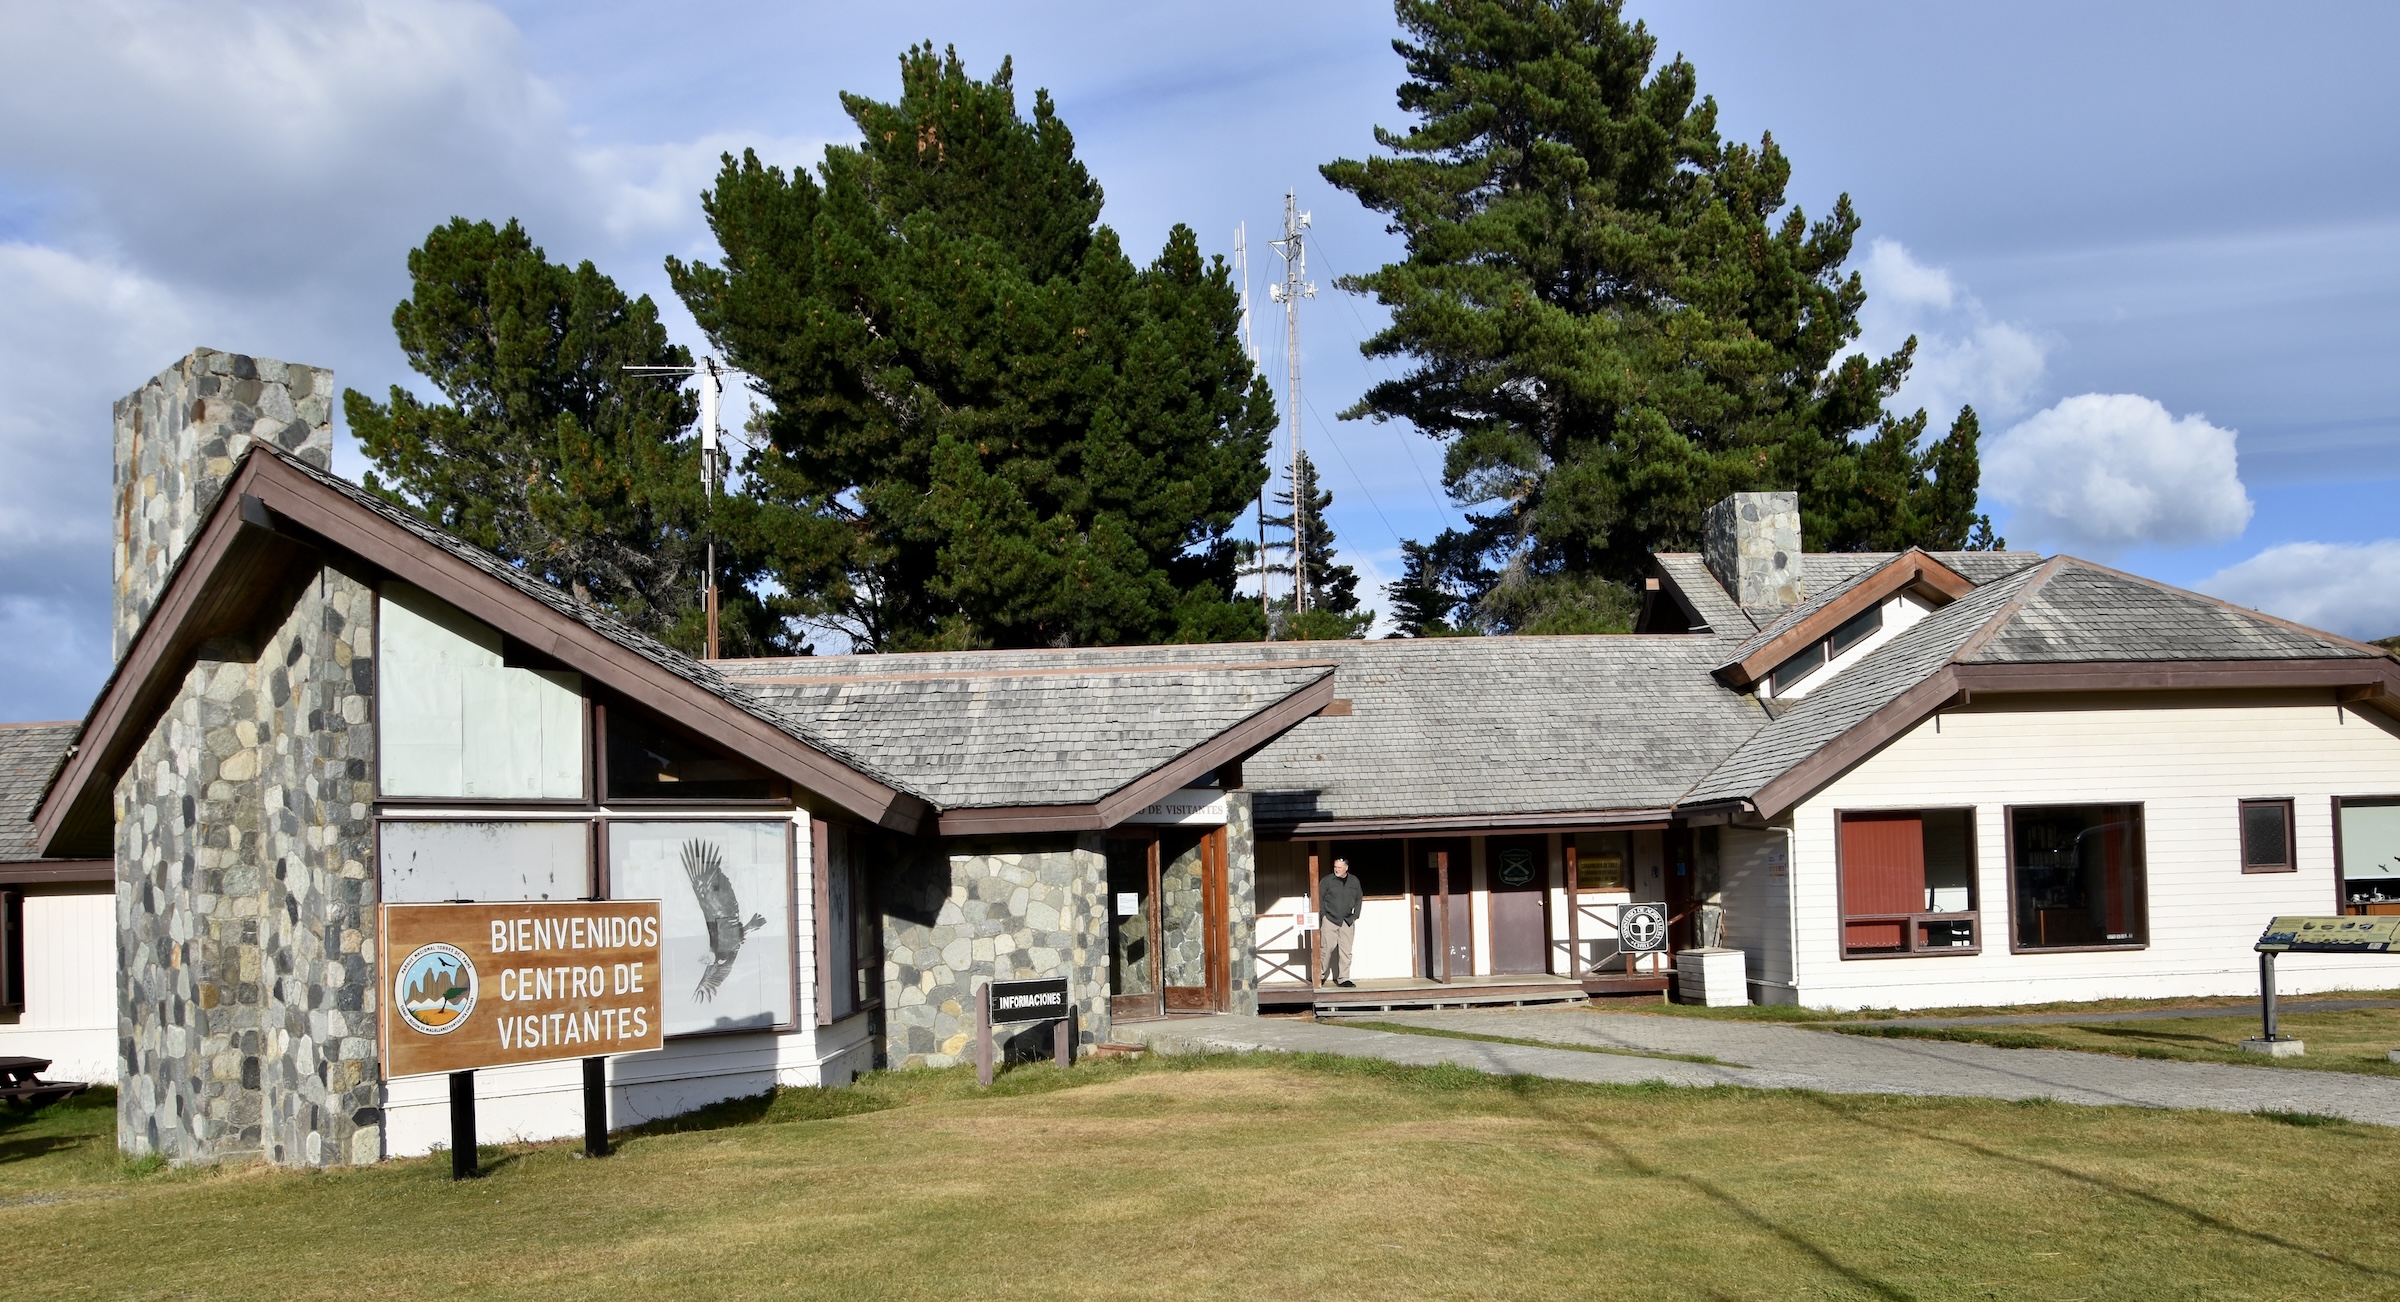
{"points": [[2291, 842], [2141, 813], [1911, 922], [523, 656], [596, 740]]}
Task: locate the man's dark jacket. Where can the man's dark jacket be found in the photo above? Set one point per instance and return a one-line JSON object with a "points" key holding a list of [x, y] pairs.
{"points": [[1339, 898]]}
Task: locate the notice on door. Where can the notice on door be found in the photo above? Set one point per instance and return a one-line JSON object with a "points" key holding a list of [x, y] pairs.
{"points": [[485, 985]]}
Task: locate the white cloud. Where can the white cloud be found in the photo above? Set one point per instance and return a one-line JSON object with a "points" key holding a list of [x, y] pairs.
{"points": [[1963, 355], [2100, 472], [2349, 588]]}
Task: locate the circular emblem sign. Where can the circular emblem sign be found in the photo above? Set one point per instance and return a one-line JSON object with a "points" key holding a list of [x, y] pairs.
{"points": [[1516, 867], [435, 989], [1642, 928]]}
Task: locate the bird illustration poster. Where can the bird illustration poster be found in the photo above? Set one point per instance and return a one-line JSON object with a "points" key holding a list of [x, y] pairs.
{"points": [[725, 917]]}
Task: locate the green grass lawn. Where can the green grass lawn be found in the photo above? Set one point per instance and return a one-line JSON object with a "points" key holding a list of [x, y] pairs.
{"points": [[1256, 1177]]}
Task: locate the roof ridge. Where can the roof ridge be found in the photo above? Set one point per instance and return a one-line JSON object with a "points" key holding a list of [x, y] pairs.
{"points": [[2247, 611], [2008, 611], [45, 723], [1064, 671]]}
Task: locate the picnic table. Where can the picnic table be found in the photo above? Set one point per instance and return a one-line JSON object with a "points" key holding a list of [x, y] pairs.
{"points": [[21, 1084]]}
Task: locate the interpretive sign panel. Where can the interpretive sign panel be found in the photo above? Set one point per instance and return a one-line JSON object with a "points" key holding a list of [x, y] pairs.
{"points": [[2377, 935], [1642, 928], [1029, 1001], [484, 985]]}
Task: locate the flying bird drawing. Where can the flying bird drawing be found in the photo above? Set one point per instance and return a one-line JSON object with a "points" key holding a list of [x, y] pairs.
{"points": [[704, 863]]}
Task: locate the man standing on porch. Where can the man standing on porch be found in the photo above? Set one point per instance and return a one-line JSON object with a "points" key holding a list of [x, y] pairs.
{"points": [[1339, 897]]}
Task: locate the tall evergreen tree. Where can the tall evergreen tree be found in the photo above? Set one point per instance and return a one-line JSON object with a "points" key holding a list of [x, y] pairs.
{"points": [[1332, 607], [988, 426], [546, 451], [1613, 318]]}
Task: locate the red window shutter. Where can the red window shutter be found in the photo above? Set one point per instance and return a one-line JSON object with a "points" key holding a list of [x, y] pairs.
{"points": [[1883, 872]]}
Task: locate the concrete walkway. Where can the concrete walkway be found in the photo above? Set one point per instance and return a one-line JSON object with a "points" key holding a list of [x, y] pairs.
{"points": [[1784, 1057]]}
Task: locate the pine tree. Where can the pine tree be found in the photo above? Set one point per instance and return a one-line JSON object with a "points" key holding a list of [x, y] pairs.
{"points": [[546, 451], [1614, 319], [1332, 610], [988, 426]]}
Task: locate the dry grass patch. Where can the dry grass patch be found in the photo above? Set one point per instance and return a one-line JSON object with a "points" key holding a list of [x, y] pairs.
{"points": [[1250, 1176]]}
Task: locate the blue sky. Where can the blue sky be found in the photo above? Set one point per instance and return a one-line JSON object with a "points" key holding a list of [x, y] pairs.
{"points": [[2156, 245]]}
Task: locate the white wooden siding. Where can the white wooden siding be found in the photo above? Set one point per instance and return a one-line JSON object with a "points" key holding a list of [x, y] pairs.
{"points": [[2186, 759], [70, 1012]]}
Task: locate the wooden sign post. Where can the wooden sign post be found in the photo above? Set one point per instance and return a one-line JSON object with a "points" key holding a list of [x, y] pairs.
{"points": [[489, 985], [1041, 1000]]}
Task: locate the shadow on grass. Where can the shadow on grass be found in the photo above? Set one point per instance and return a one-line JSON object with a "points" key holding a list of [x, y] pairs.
{"points": [[2204, 1220]]}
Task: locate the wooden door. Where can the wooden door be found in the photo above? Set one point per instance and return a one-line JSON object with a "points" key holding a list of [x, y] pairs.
{"points": [[1517, 873], [1190, 890], [1434, 908]]}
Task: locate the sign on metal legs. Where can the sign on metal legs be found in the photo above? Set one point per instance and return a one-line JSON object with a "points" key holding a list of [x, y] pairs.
{"points": [[486, 985]]}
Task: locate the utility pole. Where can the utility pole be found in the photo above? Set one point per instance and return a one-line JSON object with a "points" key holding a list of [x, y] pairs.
{"points": [[1296, 286], [711, 375], [1241, 263]]}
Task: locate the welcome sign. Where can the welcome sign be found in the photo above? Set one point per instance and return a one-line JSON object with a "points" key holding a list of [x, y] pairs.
{"points": [[485, 985]]}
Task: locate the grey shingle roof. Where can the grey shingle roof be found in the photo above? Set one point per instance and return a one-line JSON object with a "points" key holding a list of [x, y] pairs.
{"points": [[1445, 726], [2087, 613], [1910, 658], [970, 741], [1716, 607], [29, 754], [961, 754]]}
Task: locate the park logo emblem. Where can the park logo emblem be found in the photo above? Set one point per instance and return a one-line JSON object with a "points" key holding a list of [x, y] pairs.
{"points": [[435, 989]]}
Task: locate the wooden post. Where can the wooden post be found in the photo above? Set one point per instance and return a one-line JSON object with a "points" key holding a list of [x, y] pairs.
{"points": [[1316, 938], [983, 1034], [462, 1126], [2266, 995], [1441, 873], [1062, 1039], [595, 1107], [1574, 911]]}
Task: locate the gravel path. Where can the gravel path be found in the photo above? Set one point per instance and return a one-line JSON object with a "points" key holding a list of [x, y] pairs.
{"points": [[1783, 1057]]}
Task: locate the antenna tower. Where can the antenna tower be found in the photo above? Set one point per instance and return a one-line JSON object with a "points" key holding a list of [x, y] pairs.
{"points": [[1296, 286], [1241, 265], [711, 375]]}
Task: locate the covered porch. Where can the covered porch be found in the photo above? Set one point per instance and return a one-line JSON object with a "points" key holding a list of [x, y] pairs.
{"points": [[1481, 916]]}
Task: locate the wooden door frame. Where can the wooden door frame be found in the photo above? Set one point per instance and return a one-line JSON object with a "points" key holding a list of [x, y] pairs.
{"points": [[1216, 940]]}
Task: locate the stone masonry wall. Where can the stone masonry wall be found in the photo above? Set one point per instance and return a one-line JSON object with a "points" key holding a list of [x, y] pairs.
{"points": [[1241, 903], [178, 439], [957, 915], [245, 908], [1751, 542]]}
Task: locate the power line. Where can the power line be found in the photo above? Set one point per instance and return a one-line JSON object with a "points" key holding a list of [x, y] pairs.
{"points": [[1408, 446]]}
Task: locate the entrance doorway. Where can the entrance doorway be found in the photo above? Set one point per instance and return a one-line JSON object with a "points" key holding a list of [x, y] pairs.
{"points": [[1432, 864], [1518, 872], [1168, 948]]}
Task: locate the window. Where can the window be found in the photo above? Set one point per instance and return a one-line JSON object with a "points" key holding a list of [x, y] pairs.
{"points": [[850, 973], [2367, 844], [648, 761], [12, 951], [2267, 837], [724, 917], [428, 861], [1850, 633], [457, 720], [2076, 876], [1908, 883], [1599, 861]]}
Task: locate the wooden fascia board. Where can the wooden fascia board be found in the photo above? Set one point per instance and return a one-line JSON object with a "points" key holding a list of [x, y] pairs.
{"points": [[1591, 820], [137, 682], [2377, 677], [46, 872], [1863, 739], [109, 732], [1115, 807], [402, 554], [1912, 569]]}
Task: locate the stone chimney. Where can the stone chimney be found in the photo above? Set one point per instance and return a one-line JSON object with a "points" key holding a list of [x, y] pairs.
{"points": [[1751, 542], [178, 440]]}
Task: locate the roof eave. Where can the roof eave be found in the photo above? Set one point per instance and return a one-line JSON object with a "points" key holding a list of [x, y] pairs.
{"points": [[270, 513], [1912, 570]]}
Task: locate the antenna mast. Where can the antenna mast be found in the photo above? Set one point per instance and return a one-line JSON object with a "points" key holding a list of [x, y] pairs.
{"points": [[1296, 286], [711, 376], [1241, 264]]}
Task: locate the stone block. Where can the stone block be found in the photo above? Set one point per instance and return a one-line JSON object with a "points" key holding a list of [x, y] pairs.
{"points": [[2281, 1047]]}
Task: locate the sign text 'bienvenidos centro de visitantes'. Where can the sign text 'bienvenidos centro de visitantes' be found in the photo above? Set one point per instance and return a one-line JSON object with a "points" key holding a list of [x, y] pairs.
{"points": [[486, 985]]}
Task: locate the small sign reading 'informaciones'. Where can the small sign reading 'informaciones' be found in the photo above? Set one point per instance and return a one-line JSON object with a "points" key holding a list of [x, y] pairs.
{"points": [[1029, 1001]]}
